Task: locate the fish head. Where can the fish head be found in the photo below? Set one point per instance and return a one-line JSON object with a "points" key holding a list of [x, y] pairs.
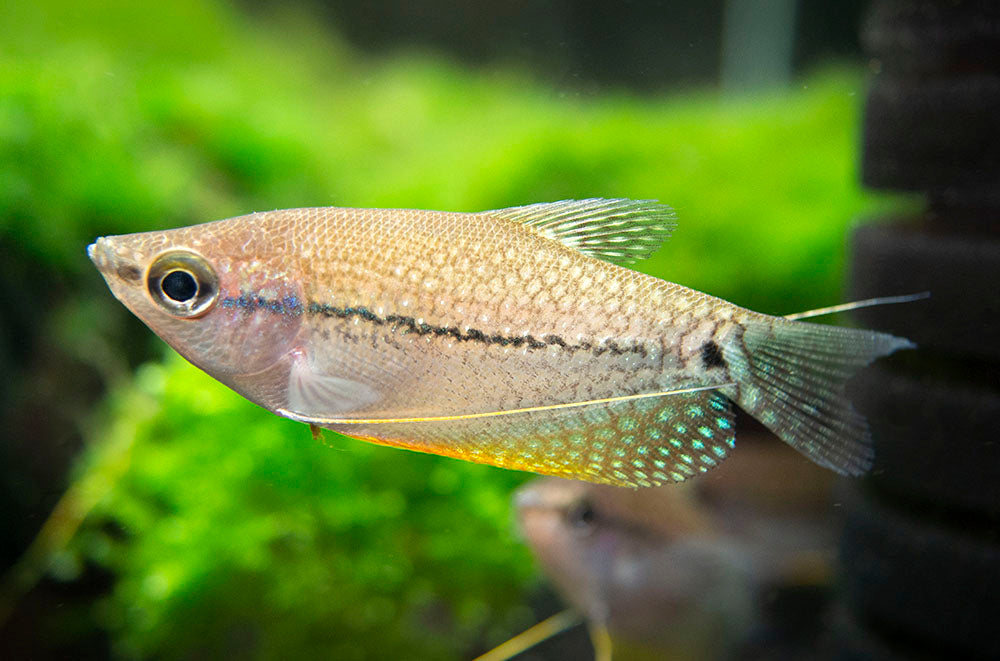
{"points": [[225, 295], [598, 543], [646, 565], [560, 517], [558, 520]]}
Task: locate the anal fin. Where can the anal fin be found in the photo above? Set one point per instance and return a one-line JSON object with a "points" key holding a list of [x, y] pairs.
{"points": [[631, 442]]}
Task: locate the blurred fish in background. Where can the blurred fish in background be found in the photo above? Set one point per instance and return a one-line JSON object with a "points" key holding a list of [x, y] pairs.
{"points": [[735, 565]]}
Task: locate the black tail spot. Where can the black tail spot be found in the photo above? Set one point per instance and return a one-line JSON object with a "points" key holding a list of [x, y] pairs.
{"points": [[711, 355]]}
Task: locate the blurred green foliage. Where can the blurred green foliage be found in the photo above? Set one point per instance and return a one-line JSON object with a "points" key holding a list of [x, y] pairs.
{"points": [[234, 532], [171, 115], [228, 529]]}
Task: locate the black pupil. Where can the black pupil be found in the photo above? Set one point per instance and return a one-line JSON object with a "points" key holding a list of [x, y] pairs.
{"points": [[179, 285]]}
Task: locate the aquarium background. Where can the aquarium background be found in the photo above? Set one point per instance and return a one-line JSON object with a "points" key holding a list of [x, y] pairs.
{"points": [[149, 512]]}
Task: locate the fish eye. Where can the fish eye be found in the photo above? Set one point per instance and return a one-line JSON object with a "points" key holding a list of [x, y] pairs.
{"points": [[581, 515], [183, 283]]}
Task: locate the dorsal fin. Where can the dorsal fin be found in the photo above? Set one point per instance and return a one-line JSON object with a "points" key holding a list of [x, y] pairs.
{"points": [[620, 231]]}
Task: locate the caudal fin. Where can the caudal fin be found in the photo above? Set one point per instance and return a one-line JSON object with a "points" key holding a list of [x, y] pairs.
{"points": [[791, 376]]}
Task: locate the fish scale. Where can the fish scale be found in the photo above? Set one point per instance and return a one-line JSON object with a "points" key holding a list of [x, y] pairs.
{"points": [[478, 273], [464, 299], [515, 337]]}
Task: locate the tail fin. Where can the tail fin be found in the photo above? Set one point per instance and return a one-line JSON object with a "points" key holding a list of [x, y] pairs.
{"points": [[791, 377]]}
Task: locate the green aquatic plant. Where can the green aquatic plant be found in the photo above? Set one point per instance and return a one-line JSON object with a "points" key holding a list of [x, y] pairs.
{"points": [[232, 530]]}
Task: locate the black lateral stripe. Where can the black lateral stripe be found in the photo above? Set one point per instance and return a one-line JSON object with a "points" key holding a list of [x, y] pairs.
{"points": [[410, 325]]}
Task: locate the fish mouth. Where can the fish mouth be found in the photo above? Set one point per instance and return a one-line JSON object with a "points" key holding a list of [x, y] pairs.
{"points": [[110, 262], [529, 497], [98, 254]]}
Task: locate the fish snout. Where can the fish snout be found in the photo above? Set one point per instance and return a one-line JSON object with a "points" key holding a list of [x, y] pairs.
{"points": [[109, 262], [97, 252], [103, 254]]}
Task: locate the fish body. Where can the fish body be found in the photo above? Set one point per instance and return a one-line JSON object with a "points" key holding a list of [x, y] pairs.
{"points": [[690, 571], [513, 337]]}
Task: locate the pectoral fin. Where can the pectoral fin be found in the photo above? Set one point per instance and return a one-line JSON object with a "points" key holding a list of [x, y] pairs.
{"points": [[311, 393]]}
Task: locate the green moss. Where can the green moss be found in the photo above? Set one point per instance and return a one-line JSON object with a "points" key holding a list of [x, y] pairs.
{"points": [[235, 530]]}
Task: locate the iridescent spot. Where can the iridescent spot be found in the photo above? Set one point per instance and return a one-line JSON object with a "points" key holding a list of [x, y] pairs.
{"points": [[731, 441], [616, 464], [723, 423], [681, 429], [659, 464], [677, 476], [702, 469], [705, 459], [686, 458], [621, 476], [577, 439], [640, 476], [627, 424], [664, 451], [687, 469], [642, 449], [596, 458], [705, 431], [619, 452], [696, 411], [597, 445], [717, 403], [660, 476], [676, 443], [697, 445], [654, 434], [719, 451], [604, 434], [638, 463], [665, 414], [627, 440]]}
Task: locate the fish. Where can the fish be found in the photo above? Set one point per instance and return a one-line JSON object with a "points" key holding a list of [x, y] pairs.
{"points": [[692, 571], [515, 337]]}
